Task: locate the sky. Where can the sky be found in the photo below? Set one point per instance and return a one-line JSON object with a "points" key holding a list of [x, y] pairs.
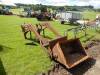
{"points": [[95, 3]]}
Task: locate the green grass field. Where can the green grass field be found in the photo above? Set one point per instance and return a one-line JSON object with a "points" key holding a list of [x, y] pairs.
{"points": [[17, 58], [90, 15]]}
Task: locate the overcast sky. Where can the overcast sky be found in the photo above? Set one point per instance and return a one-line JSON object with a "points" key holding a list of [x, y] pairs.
{"points": [[95, 3]]}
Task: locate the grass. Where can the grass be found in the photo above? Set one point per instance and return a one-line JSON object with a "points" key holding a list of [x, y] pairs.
{"points": [[90, 14], [17, 58]]}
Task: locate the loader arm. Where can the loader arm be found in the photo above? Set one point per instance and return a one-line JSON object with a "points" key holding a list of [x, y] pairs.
{"points": [[47, 25]]}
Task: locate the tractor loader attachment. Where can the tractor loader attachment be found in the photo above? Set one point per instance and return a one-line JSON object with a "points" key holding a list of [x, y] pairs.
{"points": [[67, 52]]}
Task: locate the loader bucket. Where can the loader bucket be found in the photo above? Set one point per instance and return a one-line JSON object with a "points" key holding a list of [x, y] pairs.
{"points": [[68, 52]]}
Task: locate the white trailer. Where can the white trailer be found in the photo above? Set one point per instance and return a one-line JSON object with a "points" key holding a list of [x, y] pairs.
{"points": [[69, 16]]}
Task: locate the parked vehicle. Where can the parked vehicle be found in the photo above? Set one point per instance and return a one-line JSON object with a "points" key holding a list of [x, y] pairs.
{"points": [[5, 11], [44, 16], [69, 16]]}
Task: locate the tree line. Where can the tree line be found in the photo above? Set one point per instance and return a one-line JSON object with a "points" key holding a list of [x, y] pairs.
{"points": [[57, 8]]}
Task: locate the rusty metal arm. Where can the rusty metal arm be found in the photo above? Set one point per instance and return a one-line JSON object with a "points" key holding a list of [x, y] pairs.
{"points": [[47, 25]]}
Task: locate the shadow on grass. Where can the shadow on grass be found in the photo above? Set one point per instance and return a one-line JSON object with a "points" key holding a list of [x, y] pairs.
{"points": [[35, 41], [83, 36], [31, 39], [2, 70], [31, 43], [71, 24], [98, 31], [82, 67], [48, 37], [2, 47], [88, 38]]}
